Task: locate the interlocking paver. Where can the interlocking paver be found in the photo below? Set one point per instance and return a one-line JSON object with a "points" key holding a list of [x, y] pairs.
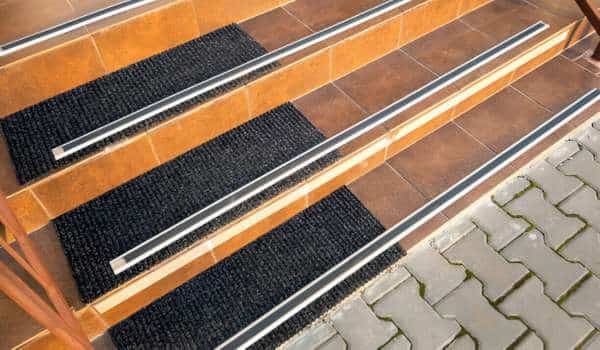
{"points": [[585, 248], [462, 343], [593, 343], [510, 189], [558, 274], [551, 323], [590, 138], [584, 166], [419, 322], [563, 152], [359, 326], [556, 226], [335, 343], [584, 203], [467, 305], [585, 301], [313, 338], [501, 227], [431, 269], [398, 343], [455, 231], [497, 274], [530, 342], [555, 184], [384, 284]]}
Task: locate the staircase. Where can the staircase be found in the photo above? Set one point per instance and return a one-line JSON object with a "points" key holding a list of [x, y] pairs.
{"points": [[453, 83]]}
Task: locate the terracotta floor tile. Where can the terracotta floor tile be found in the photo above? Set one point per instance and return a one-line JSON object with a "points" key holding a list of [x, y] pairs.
{"points": [[402, 76], [454, 44], [503, 119], [82, 7], [25, 17], [504, 18], [557, 83], [589, 64], [387, 195], [275, 29], [21, 326], [563, 8], [319, 14], [332, 111], [440, 160], [583, 46]]}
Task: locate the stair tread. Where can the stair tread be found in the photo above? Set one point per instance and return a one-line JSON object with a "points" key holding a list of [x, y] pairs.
{"points": [[106, 227], [33, 132], [213, 306]]}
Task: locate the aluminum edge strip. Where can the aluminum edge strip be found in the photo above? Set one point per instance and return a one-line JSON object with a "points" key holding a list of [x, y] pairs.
{"points": [[205, 215], [394, 235]]}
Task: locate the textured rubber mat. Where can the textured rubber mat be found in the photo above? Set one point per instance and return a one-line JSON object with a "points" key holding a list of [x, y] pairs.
{"points": [[213, 306], [33, 132], [106, 227]]}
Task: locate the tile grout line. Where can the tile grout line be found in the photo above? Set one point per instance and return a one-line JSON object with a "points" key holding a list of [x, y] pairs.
{"points": [[296, 18], [354, 102]]}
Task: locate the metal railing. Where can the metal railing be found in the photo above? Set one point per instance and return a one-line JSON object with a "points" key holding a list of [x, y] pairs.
{"points": [[394, 235], [202, 217], [59, 320], [71, 25], [123, 123]]}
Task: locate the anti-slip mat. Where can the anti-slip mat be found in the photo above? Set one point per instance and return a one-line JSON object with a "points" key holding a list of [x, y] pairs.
{"points": [[216, 304], [108, 226], [33, 132]]}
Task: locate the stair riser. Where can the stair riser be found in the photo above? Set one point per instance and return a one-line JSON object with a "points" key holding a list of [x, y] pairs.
{"points": [[143, 290], [77, 184]]}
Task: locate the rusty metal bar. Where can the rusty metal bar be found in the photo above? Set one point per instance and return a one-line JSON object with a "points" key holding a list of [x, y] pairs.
{"points": [[593, 16]]}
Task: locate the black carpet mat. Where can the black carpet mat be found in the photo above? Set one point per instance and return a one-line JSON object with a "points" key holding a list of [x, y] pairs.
{"points": [[106, 227], [218, 303], [33, 132]]}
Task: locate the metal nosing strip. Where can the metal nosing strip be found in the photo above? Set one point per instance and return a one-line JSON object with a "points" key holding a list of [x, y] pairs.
{"points": [[394, 235], [71, 25], [226, 203], [116, 126]]}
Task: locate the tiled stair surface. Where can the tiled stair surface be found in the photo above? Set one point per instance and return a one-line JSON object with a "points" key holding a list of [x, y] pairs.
{"points": [[518, 269]]}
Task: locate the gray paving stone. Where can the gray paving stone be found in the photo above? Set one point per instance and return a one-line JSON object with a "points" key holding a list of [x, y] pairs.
{"points": [[462, 343], [455, 231], [335, 343], [584, 166], [312, 338], [593, 343], [430, 268], [500, 227], [467, 305], [497, 274], [555, 184], [359, 326], [398, 343], [563, 152], [590, 138], [551, 323], [385, 283], [556, 226], [530, 342], [584, 203], [558, 274], [510, 189], [585, 301], [419, 322], [585, 248]]}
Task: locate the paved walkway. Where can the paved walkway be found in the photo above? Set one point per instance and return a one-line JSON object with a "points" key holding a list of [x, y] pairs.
{"points": [[519, 270]]}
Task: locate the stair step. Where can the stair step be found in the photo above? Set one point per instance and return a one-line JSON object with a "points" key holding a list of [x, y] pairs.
{"points": [[32, 133], [215, 305]]}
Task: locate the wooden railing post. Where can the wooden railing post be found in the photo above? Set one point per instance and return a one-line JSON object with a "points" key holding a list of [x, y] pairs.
{"points": [[593, 16], [61, 322]]}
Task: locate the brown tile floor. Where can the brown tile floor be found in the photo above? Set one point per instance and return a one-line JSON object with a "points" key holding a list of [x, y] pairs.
{"points": [[275, 29], [319, 14]]}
